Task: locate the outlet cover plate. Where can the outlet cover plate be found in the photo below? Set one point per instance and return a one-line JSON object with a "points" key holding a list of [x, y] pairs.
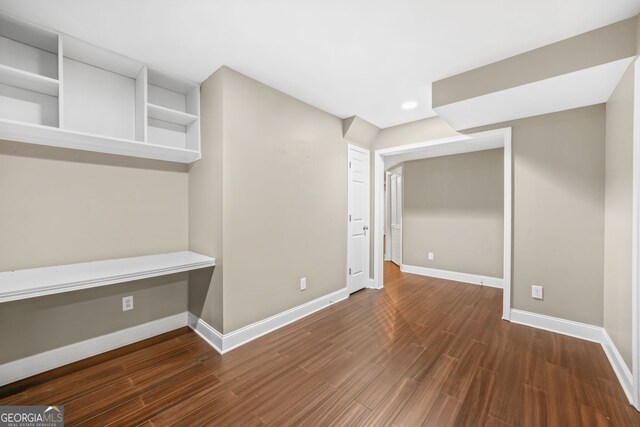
{"points": [[303, 283], [537, 292], [127, 303]]}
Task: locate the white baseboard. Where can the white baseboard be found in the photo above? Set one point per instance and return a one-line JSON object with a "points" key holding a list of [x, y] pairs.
{"points": [[371, 284], [583, 331], [206, 332], [476, 279], [41, 362], [223, 343], [618, 364], [554, 324]]}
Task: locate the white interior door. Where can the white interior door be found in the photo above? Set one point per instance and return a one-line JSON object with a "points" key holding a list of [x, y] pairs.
{"points": [[396, 218], [358, 222], [387, 216]]}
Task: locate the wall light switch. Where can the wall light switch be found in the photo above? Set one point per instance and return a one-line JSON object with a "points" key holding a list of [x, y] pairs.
{"points": [[430, 256], [127, 303], [303, 283], [536, 292]]}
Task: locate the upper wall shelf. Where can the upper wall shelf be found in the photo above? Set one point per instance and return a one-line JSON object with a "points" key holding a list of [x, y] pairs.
{"points": [[60, 91], [47, 135], [36, 282]]}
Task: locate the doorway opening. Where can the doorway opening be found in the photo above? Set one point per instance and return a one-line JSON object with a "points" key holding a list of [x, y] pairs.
{"points": [[386, 158]]}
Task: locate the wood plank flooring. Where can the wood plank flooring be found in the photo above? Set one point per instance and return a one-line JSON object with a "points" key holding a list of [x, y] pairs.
{"points": [[421, 352]]}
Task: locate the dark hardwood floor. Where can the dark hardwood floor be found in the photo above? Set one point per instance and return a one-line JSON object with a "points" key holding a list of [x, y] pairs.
{"points": [[421, 352]]}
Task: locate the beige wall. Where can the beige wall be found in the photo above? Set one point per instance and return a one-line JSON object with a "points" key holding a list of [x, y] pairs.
{"points": [[453, 207], [410, 133], [597, 47], [359, 131], [618, 215], [638, 36], [558, 202], [62, 206], [205, 206], [284, 201], [558, 212], [36, 325]]}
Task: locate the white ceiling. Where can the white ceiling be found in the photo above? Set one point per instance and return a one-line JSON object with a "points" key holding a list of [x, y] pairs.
{"points": [[347, 57]]}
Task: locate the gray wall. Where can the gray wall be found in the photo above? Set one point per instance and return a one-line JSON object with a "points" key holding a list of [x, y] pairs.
{"points": [[618, 215], [558, 212], [453, 207], [62, 206], [284, 201]]}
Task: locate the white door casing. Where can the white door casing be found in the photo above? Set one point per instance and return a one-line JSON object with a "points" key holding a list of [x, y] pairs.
{"points": [[387, 216], [635, 245], [358, 218], [392, 215], [395, 209]]}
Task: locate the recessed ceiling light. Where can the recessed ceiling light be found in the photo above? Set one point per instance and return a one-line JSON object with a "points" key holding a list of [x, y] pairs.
{"points": [[409, 105]]}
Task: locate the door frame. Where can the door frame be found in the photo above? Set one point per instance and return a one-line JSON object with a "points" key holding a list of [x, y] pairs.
{"points": [[635, 245], [499, 138], [367, 209]]}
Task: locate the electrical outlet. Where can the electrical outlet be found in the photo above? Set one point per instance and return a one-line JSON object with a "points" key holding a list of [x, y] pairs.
{"points": [[430, 255], [303, 283], [127, 303], [536, 292]]}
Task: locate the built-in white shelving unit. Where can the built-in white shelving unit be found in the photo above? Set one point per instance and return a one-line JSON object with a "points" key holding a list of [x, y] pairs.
{"points": [[60, 91], [173, 110], [37, 282]]}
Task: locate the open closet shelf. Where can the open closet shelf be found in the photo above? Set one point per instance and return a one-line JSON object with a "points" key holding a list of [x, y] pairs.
{"points": [[60, 91], [25, 80], [170, 115], [36, 282]]}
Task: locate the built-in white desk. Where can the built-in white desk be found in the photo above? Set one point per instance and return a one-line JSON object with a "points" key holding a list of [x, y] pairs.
{"points": [[36, 282]]}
